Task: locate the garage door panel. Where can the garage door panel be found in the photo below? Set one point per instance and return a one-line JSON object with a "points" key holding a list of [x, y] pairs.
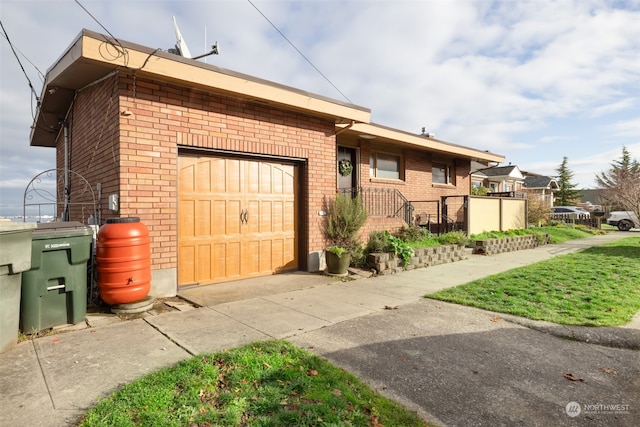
{"points": [[265, 178], [202, 222], [233, 176], [203, 265], [232, 260], [289, 261], [253, 178], [203, 178], [232, 219], [277, 254], [277, 222], [253, 215], [251, 260], [265, 217], [219, 217], [186, 177], [187, 217], [187, 256], [218, 267]]}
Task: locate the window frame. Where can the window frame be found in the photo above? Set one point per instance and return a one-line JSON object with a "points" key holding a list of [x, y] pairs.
{"points": [[373, 165], [449, 175]]}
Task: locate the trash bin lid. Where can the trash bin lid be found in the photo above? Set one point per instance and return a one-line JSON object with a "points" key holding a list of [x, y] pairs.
{"points": [[60, 229], [8, 226]]}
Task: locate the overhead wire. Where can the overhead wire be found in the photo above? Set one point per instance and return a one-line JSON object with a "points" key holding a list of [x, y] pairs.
{"points": [[33, 91], [26, 58], [298, 50]]}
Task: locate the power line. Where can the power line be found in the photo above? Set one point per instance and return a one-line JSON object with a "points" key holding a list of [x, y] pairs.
{"points": [[27, 59], [94, 18], [298, 50], [6, 36]]}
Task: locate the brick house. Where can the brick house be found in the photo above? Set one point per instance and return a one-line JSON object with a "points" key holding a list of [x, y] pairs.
{"points": [[229, 172]]}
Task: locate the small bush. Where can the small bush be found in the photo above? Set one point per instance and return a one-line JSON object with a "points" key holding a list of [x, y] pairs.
{"points": [[412, 233], [378, 242], [358, 256], [454, 238], [346, 215]]}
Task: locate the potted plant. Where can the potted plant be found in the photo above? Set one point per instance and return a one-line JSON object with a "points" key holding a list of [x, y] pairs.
{"points": [[346, 215]]}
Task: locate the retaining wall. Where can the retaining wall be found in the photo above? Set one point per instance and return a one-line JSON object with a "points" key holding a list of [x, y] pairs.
{"points": [[389, 263], [506, 244]]}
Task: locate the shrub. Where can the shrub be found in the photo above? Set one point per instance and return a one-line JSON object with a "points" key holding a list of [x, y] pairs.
{"points": [[454, 238], [346, 215], [378, 241], [412, 233], [479, 191], [358, 256]]}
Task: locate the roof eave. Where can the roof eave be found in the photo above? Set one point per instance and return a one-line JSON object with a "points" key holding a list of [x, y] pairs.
{"points": [[401, 138], [92, 56]]}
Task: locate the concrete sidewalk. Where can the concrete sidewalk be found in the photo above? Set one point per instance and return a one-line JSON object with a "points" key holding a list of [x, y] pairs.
{"points": [[53, 380]]}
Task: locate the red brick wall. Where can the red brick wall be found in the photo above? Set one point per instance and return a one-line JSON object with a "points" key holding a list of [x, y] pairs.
{"points": [[93, 146], [416, 186], [166, 116]]}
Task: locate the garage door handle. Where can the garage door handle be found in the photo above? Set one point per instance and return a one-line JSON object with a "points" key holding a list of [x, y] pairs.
{"points": [[244, 216]]}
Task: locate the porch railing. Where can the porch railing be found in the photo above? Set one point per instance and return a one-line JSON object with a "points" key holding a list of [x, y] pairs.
{"points": [[385, 202]]}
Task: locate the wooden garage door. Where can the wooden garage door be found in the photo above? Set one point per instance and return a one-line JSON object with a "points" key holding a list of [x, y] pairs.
{"points": [[236, 219]]}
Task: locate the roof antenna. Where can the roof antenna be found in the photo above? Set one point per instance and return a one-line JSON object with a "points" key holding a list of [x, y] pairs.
{"points": [[182, 49]]}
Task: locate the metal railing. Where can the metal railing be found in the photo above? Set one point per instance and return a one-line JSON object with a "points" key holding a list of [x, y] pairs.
{"points": [[512, 194], [384, 202]]}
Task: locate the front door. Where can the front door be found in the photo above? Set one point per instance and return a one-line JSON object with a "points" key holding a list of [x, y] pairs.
{"points": [[347, 179]]}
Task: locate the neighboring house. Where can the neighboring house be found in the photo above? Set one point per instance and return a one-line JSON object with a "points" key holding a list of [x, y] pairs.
{"points": [[498, 179], [541, 187], [229, 172]]}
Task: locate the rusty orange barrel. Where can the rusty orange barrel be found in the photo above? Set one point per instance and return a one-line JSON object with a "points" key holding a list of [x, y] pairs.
{"points": [[123, 257]]}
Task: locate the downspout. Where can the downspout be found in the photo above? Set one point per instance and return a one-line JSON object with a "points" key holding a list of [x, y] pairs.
{"points": [[65, 212]]}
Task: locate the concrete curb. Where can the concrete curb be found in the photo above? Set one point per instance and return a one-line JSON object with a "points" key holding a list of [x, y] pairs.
{"points": [[608, 336]]}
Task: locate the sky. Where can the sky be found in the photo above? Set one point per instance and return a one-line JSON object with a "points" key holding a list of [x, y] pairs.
{"points": [[535, 81]]}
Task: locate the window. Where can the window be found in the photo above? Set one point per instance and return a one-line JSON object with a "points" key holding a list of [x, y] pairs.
{"points": [[508, 187], [383, 165], [443, 173]]}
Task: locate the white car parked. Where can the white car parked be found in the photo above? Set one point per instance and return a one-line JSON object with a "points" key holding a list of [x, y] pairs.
{"points": [[624, 220]]}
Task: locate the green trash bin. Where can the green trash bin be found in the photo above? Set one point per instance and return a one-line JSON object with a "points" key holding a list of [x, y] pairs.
{"points": [[15, 258], [54, 290]]}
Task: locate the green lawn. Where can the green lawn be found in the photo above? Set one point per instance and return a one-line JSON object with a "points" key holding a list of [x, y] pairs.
{"points": [[271, 383], [599, 286]]}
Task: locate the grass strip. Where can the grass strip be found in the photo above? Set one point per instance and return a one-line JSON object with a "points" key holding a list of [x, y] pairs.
{"points": [[599, 286], [270, 383]]}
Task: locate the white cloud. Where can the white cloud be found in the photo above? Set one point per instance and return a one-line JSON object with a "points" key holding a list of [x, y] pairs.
{"points": [[532, 80]]}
